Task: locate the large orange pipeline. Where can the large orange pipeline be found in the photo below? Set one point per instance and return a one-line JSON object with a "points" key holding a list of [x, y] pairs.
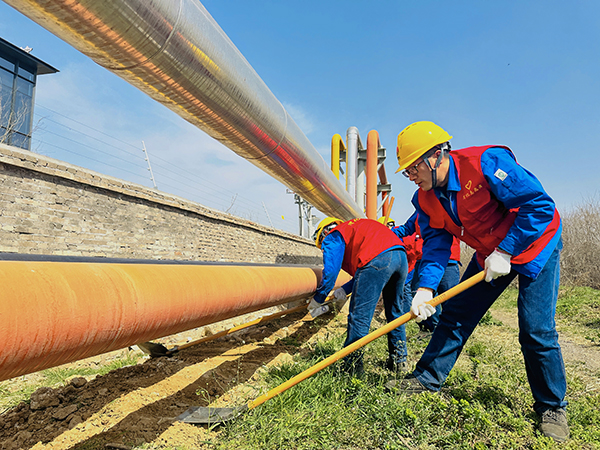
{"points": [[53, 313]]}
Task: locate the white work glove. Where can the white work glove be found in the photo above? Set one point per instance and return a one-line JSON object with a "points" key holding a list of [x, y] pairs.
{"points": [[314, 304], [419, 306], [316, 309], [339, 295], [497, 265]]}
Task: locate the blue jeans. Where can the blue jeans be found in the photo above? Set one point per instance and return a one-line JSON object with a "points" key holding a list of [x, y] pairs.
{"points": [[385, 274], [450, 279], [537, 332]]}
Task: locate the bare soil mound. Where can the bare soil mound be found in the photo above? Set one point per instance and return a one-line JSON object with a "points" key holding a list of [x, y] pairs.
{"points": [[138, 404]]}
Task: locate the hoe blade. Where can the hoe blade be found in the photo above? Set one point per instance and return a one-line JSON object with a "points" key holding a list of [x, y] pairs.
{"points": [[210, 416]]}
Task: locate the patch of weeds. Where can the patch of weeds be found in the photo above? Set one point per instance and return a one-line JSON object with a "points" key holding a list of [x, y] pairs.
{"points": [[128, 360], [584, 417], [291, 341], [476, 349], [487, 319], [59, 376]]}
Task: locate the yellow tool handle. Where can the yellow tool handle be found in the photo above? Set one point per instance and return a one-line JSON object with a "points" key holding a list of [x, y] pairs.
{"points": [[364, 341], [389, 210], [245, 325]]}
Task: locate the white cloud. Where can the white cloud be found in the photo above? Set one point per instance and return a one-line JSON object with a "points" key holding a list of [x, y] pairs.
{"points": [[301, 117]]}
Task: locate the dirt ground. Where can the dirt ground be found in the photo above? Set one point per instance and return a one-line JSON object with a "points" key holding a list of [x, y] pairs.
{"points": [[139, 404]]}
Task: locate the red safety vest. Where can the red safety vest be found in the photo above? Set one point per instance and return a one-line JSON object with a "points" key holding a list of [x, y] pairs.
{"points": [[413, 247], [485, 221], [365, 239]]}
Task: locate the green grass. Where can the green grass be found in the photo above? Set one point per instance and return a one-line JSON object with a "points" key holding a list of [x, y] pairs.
{"points": [[485, 404], [577, 311]]}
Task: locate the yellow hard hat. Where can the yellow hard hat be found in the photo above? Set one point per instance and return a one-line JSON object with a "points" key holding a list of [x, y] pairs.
{"points": [[416, 140], [382, 220], [322, 225]]}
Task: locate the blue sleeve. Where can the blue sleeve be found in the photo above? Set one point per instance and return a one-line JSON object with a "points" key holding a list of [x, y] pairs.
{"points": [[333, 247], [437, 244], [348, 286], [408, 228], [516, 187]]}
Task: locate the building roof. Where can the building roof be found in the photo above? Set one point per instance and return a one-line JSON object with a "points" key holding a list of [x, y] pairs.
{"points": [[25, 58]]}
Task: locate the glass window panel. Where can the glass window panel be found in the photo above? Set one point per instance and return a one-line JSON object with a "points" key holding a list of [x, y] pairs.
{"points": [[21, 120], [6, 79], [19, 140], [26, 73], [24, 86], [7, 64], [5, 99]]}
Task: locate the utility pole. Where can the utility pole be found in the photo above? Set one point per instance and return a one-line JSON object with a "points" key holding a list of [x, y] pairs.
{"points": [[149, 167], [304, 214], [267, 212]]}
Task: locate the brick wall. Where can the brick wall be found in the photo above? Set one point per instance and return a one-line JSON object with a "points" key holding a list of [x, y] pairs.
{"points": [[51, 207]]}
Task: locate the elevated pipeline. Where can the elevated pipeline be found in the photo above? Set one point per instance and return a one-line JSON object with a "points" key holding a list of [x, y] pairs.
{"points": [[55, 312], [175, 52]]}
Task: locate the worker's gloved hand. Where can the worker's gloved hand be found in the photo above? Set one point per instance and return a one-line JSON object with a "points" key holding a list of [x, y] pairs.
{"points": [[339, 295], [316, 309], [314, 305], [419, 306], [497, 265]]}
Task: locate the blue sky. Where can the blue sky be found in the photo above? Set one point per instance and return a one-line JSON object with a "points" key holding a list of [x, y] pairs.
{"points": [[523, 74]]}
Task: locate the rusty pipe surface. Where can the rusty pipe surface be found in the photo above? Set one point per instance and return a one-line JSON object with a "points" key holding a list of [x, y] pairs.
{"points": [[174, 51], [53, 313]]}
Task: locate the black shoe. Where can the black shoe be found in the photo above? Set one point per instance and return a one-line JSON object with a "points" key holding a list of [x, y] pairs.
{"points": [[553, 423], [395, 366], [408, 385]]}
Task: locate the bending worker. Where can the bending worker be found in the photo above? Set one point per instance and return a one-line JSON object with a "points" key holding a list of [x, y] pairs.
{"points": [[482, 196], [375, 258]]}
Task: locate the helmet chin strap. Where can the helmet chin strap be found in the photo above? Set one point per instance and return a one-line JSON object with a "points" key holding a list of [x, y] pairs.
{"points": [[444, 149]]}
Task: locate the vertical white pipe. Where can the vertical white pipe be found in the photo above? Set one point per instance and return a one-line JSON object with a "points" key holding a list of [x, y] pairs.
{"points": [[352, 139]]}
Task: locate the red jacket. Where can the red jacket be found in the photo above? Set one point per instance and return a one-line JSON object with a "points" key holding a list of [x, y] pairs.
{"points": [[365, 239]]}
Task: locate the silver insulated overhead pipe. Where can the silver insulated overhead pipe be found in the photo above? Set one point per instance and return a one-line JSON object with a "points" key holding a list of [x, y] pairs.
{"points": [[174, 51]]}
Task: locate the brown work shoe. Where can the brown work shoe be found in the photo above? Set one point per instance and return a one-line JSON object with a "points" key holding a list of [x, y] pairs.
{"points": [[408, 385], [554, 424]]}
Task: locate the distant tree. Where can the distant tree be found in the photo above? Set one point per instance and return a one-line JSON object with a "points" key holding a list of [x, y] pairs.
{"points": [[12, 121], [580, 259]]}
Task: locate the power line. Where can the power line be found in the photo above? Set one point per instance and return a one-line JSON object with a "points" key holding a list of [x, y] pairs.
{"points": [[217, 195]]}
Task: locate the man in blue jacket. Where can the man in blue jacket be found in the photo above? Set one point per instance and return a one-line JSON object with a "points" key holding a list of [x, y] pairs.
{"points": [[374, 256], [482, 196]]}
